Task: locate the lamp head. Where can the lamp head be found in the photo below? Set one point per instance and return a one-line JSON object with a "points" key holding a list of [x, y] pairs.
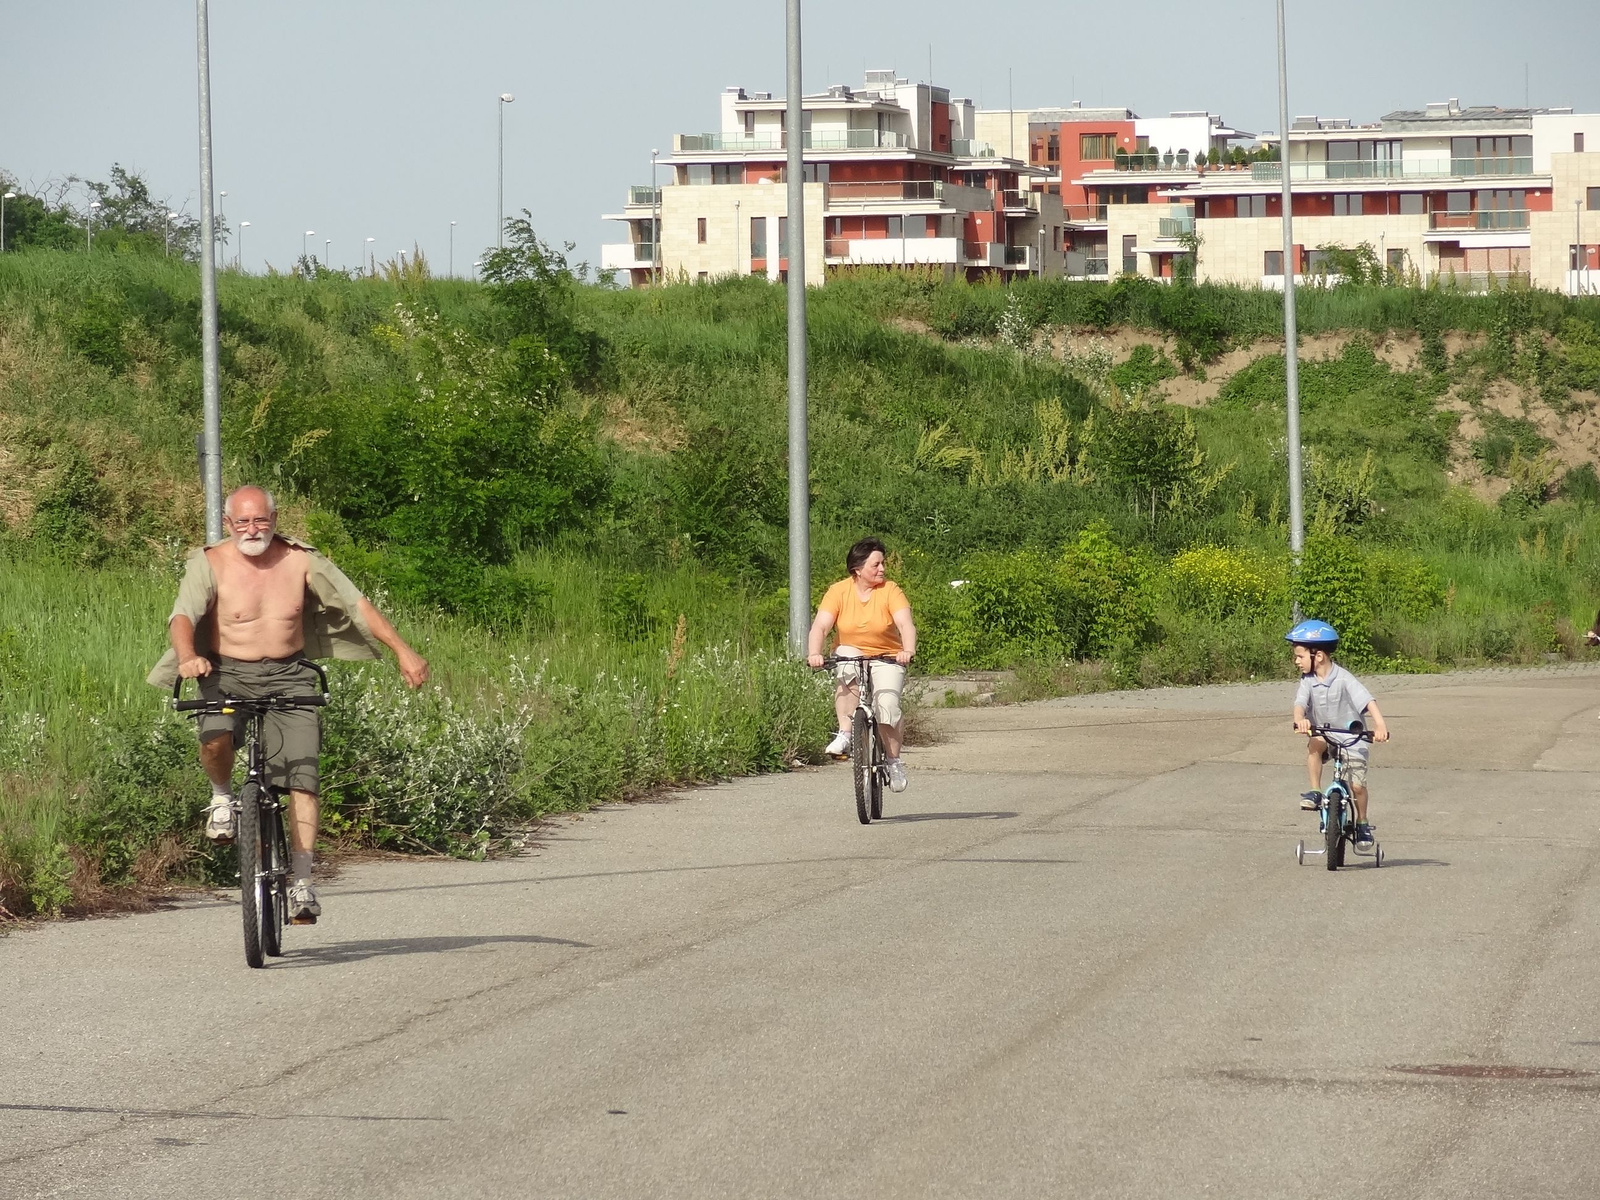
{"points": [[244, 224], [506, 97], [10, 196]]}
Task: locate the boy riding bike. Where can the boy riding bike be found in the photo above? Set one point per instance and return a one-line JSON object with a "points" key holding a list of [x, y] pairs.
{"points": [[1330, 697]]}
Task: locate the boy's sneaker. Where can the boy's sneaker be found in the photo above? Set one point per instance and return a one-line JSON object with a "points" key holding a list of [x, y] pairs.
{"points": [[840, 746], [1363, 838], [219, 821], [1310, 801], [303, 906], [897, 776]]}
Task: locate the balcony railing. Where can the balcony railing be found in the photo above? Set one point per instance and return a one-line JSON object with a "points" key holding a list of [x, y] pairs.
{"points": [[1017, 256], [926, 190], [892, 251], [1084, 214], [1174, 227], [1097, 266], [1493, 218], [968, 148], [820, 139], [643, 195], [1413, 168], [1011, 200], [626, 256]]}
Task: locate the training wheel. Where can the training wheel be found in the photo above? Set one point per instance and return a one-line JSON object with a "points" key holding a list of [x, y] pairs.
{"points": [[1377, 856], [1300, 853]]}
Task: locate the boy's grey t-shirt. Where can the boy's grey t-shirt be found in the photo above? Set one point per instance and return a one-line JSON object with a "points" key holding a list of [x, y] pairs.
{"points": [[1334, 702]]}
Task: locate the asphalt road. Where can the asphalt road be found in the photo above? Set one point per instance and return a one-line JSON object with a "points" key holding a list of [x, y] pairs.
{"points": [[1078, 959]]}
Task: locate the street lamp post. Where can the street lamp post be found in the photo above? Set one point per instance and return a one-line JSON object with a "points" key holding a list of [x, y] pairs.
{"points": [[1291, 358], [243, 225], [88, 227], [1579, 259], [327, 256], [3, 199], [655, 221], [373, 255], [799, 459], [452, 249], [303, 251], [500, 208], [211, 389], [166, 229]]}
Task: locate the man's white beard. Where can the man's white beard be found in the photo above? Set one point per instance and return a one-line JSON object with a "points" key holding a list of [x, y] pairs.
{"points": [[253, 544]]}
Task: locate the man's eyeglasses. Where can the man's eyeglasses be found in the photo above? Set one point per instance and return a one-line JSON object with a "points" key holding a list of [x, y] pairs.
{"points": [[251, 522]]}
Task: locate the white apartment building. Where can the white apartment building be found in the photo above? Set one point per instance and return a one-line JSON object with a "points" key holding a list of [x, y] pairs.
{"points": [[1473, 194], [895, 176]]}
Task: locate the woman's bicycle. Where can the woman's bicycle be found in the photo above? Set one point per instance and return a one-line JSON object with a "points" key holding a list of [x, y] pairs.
{"points": [[258, 817], [1338, 809], [868, 763]]}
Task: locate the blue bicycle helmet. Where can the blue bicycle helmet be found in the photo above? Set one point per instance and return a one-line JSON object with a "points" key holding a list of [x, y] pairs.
{"points": [[1315, 635]]}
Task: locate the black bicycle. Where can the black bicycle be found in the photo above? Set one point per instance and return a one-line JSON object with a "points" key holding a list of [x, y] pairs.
{"points": [[869, 766], [258, 819], [1338, 810]]}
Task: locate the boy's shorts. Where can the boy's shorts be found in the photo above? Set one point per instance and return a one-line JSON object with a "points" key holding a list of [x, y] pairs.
{"points": [[292, 738], [1355, 767]]}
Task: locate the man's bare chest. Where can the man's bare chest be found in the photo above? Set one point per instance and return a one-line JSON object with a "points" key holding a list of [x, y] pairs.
{"points": [[248, 594]]}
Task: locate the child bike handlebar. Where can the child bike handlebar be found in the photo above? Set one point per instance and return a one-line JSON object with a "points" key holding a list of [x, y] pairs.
{"points": [[1351, 737]]}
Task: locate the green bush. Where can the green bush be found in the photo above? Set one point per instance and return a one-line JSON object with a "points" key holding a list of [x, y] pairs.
{"points": [[1222, 582], [1332, 587], [1402, 586]]}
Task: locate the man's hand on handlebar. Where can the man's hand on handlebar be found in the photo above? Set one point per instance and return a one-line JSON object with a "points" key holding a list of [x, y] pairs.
{"points": [[194, 668]]}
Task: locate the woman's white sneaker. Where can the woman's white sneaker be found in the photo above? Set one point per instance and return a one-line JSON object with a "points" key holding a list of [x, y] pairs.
{"points": [[897, 776], [840, 746]]}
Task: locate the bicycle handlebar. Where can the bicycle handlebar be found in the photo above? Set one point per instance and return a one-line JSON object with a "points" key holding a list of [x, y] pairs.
{"points": [[251, 704], [834, 660], [1353, 736]]}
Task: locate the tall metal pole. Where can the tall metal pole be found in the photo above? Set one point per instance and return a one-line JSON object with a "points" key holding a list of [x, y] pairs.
{"points": [[452, 249], [3, 198], [211, 446], [500, 204], [655, 221], [795, 250], [1291, 357]]}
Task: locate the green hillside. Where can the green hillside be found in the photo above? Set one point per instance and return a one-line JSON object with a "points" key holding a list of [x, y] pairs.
{"points": [[574, 499]]}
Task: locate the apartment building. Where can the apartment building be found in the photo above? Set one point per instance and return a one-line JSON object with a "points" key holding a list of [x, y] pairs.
{"points": [[1473, 194], [1075, 145], [894, 176]]}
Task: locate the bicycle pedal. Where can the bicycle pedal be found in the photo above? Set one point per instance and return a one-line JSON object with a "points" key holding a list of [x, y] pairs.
{"points": [[303, 919]]}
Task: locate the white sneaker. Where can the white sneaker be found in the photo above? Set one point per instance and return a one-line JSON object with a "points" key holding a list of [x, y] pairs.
{"points": [[219, 820], [840, 746], [897, 776], [303, 906]]}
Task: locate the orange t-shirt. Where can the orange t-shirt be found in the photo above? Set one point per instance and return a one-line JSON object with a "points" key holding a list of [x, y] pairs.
{"points": [[867, 625]]}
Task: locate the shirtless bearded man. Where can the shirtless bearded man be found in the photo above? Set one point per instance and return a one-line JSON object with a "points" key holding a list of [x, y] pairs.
{"points": [[251, 611]]}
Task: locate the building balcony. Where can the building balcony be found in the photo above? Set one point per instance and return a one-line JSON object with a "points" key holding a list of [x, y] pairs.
{"points": [[1019, 202], [1096, 268], [1084, 214], [1497, 218], [647, 196], [1019, 258], [1411, 168], [627, 256], [892, 251], [967, 148], [1175, 227], [820, 139], [879, 192]]}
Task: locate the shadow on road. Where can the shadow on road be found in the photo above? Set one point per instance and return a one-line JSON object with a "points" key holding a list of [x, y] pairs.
{"points": [[349, 952], [1413, 862], [952, 816]]}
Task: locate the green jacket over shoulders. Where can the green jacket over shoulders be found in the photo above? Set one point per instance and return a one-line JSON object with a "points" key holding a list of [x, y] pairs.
{"points": [[332, 621]]}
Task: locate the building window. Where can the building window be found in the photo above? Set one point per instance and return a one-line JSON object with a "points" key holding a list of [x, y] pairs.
{"points": [[704, 276], [758, 237], [1097, 147], [1052, 149], [749, 124], [896, 225], [1272, 262], [1252, 206], [783, 237], [1594, 199], [836, 228], [1130, 254], [1577, 143], [1412, 204], [1396, 261], [700, 230], [1346, 204]]}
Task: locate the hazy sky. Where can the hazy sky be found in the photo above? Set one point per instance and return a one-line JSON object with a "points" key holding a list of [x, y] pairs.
{"points": [[359, 119]]}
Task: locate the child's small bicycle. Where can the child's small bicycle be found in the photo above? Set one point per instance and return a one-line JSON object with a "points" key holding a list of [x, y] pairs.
{"points": [[1338, 812]]}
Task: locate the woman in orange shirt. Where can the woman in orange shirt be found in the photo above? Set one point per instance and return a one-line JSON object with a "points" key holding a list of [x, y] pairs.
{"points": [[871, 616]]}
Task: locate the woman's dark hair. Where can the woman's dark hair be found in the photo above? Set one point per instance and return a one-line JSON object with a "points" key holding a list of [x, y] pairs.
{"points": [[860, 552]]}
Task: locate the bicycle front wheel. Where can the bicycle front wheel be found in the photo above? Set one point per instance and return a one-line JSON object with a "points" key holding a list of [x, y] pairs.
{"points": [[1334, 833], [861, 764], [273, 892], [251, 861]]}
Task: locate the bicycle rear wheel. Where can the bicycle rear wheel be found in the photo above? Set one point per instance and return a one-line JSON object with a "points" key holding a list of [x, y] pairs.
{"points": [[251, 860], [861, 765], [1334, 833], [274, 889], [877, 780]]}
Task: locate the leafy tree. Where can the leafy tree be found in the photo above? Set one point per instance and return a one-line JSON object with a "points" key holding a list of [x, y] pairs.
{"points": [[533, 290]]}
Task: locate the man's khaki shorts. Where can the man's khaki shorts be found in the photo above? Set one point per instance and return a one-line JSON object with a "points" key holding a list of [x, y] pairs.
{"points": [[1355, 767], [292, 739], [888, 679]]}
